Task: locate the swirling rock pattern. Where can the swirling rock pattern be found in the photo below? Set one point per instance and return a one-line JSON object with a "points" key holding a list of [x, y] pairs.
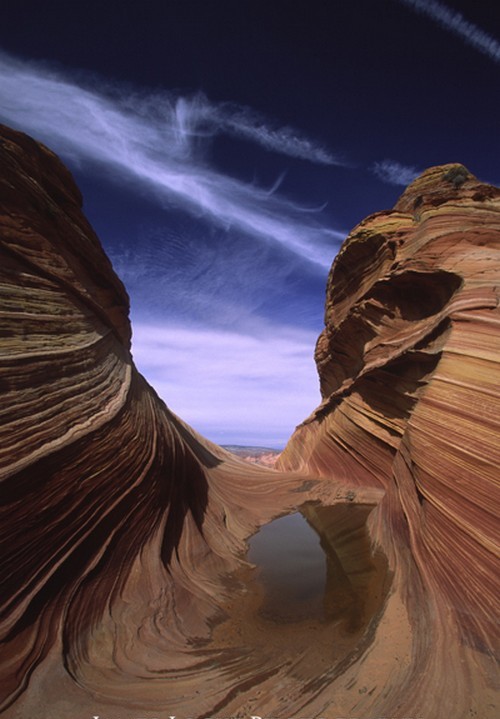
{"points": [[409, 371], [125, 589], [117, 520]]}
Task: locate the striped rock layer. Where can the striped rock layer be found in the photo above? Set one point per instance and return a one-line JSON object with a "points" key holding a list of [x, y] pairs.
{"points": [[125, 588], [409, 371]]}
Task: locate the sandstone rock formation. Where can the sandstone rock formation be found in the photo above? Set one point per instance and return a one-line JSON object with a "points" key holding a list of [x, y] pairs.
{"points": [[125, 589], [409, 371]]}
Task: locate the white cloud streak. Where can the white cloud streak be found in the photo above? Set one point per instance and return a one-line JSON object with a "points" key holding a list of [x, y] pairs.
{"points": [[196, 117], [247, 124], [158, 141], [394, 173], [240, 390], [456, 23]]}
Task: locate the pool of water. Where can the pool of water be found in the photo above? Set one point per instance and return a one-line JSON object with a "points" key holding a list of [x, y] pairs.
{"points": [[318, 564], [307, 596], [292, 566]]}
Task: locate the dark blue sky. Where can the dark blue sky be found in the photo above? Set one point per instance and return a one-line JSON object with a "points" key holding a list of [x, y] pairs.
{"points": [[225, 148]]}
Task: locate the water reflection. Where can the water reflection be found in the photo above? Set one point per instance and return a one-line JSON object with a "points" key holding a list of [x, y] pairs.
{"points": [[311, 597], [318, 564], [292, 567]]}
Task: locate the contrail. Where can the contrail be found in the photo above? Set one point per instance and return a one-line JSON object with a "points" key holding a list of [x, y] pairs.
{"points": [[455, 22], [247, 124]]}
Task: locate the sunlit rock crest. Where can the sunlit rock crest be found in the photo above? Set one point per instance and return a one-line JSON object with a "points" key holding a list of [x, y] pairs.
{"points": [[409, 373], [123, 531]]}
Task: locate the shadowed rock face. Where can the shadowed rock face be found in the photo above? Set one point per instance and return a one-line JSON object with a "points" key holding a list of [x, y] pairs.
{"points": [[125, 590]]}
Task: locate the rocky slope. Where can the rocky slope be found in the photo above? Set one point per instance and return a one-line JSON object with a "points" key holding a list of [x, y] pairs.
{"points": [[125, 590]]}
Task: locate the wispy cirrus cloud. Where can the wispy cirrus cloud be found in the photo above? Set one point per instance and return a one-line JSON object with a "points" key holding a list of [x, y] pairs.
{"points": [[205, 303], [158, 140], [456, 23], [394, 173]]}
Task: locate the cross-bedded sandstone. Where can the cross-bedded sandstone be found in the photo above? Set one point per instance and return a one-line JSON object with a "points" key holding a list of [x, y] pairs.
{"points": [[123, 532]]}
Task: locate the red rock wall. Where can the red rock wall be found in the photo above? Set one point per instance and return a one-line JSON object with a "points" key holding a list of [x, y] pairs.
{"points": [[409, 371]]}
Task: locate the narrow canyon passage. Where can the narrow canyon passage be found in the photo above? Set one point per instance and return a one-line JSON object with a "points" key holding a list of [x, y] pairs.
{"points": [[370, 585]]}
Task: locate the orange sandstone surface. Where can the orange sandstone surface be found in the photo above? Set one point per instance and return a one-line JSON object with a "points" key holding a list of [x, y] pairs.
{"points": [[126, 590]]}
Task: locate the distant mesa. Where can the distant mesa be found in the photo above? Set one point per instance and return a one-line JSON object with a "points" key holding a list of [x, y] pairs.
{"points": [[255, 455], [126, 590]]}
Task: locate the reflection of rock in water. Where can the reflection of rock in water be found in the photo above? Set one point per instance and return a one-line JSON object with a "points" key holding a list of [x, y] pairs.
{"points": [[291, 565], [357, 578], [322, 569], [123, 532], [317, 608]]}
